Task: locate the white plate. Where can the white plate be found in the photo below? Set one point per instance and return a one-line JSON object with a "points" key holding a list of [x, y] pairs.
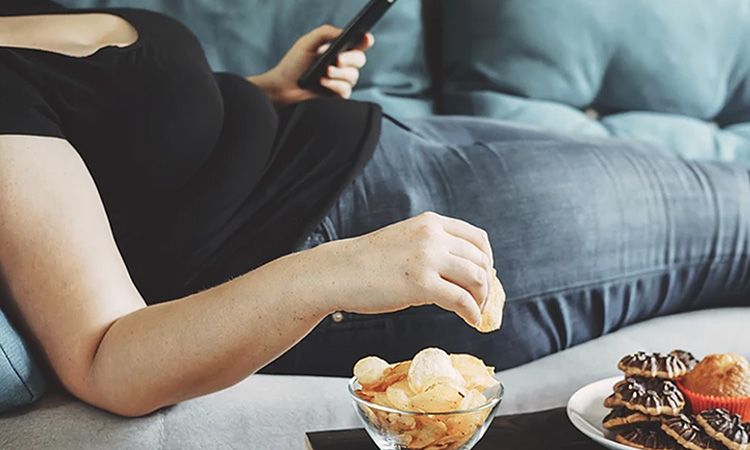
{"points": [[586, 411]]}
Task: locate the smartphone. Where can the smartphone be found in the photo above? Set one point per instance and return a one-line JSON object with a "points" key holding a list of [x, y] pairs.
{"points": [[352, 35]]}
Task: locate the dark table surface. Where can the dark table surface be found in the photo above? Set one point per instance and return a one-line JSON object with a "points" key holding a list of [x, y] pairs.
{"points": [[544, 430]]}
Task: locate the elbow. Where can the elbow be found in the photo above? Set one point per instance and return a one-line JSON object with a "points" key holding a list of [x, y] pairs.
{"points": [[128, 411], [115, 400], [126, 404], [127, 408], [131, 413]]}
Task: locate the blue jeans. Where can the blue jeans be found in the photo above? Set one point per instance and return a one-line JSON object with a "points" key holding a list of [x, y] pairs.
{"points": [[589, 236]]}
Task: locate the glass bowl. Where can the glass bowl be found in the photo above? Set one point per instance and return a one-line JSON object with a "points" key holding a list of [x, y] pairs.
{"points": [[393, 429]]}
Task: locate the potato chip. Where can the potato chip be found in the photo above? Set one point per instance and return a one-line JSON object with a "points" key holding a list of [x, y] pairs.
{"points": [[449, 441], [364, 395], [492, 313], [440, 445], [472, 399], [463, 426], [433, 382], [438, 398], [443, 446], [381, 398], [405, 439], [428, 430], [370, 370], [433, 366], [400, 423], [394, 374], [404, 385], [474, 372], [399, 394]]}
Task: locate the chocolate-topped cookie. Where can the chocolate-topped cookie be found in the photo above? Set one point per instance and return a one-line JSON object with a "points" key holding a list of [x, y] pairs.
{"points": [[725, 427], [686, 357], [688, 434], [646, 438], [622, 416], [653, 365], [651, 396]]}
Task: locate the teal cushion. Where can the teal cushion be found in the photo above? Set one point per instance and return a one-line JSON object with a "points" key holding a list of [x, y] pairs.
{"points": [[674, 72], [250, 36], [21, 380]]}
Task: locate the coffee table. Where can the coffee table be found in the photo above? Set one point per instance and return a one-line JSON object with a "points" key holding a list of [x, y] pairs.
{"points": [[544, 430]]}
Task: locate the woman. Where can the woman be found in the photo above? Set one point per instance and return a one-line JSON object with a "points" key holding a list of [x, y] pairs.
{"points": [[130, 175]]}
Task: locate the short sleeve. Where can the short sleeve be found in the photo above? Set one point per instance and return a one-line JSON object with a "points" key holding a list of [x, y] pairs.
{"points": [[23, 109]]}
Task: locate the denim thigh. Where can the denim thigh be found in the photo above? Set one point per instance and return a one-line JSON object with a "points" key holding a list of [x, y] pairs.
{"points": [[589, 236]]}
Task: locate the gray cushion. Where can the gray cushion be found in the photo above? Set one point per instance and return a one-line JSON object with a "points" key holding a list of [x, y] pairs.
{"points": [[672, 72], [250, 36], [21, 380], [273, 412]]}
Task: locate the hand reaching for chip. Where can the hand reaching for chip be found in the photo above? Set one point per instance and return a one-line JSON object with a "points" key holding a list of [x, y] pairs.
{"points": [[429, 259]]}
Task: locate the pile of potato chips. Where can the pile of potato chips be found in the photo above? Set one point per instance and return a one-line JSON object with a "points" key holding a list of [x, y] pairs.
{"points": [[432, 383]]}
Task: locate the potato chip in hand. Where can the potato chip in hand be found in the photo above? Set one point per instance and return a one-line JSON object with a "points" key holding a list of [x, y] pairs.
{"points": [[492, 312]]}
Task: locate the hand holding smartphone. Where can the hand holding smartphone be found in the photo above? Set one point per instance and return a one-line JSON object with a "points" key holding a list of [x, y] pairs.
{"points": [[353, 34]]}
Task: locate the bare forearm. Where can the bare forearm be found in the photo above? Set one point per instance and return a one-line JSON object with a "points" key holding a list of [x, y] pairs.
{"points": [[175, 351]]}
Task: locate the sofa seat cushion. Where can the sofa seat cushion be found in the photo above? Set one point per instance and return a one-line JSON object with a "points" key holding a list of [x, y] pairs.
{"points": [[272, 411], [674, 72]]}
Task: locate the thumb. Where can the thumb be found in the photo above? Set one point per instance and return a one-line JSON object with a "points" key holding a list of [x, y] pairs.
{"points": [[320, 36]]}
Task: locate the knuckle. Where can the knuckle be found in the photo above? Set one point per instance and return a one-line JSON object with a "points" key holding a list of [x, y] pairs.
{"points": [[478, 277], [427, 235], [462, 300], [422, 254], [486, 263], [421, 279], [424, 229], [428, 217]]}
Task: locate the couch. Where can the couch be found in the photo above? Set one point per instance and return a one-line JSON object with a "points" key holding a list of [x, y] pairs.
{"points": [[675, 73]]}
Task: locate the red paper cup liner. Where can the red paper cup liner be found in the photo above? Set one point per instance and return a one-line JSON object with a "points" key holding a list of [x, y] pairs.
{"points": [[699, 403]]}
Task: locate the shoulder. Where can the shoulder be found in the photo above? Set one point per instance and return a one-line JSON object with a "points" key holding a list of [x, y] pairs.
{"points": [[23, 109]]}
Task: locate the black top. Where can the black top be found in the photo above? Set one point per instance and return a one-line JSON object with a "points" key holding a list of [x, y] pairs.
{"points": [[192, 166]]}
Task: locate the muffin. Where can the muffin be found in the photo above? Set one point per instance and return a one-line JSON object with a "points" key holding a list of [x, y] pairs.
{"points": [[719, 381]]}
